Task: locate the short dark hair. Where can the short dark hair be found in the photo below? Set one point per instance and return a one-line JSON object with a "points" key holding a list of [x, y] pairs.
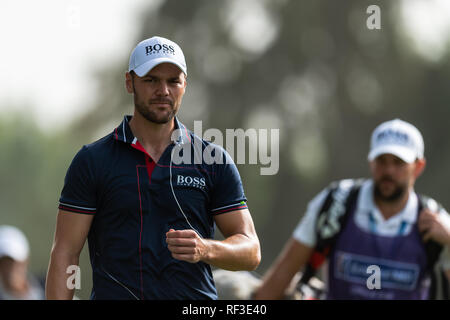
{"points": [[133, 74]]}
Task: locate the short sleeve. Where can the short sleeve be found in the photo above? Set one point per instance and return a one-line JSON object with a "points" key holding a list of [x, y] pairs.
{"points": [[228, 191], [305, 232], [79, 191]]}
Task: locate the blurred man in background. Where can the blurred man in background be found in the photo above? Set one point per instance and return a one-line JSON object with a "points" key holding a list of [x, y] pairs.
{"points": [[381, 239], [16, 283]]}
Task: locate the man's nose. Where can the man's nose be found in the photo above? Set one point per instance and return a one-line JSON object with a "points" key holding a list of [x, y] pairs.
{"points": [[389, 168], [163, 89]]}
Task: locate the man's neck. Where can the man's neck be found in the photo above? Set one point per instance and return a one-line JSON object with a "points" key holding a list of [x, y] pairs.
{"points": [[390, 208], [153, 137]]}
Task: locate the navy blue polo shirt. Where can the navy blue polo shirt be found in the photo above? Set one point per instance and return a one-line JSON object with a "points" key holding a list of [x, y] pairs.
{"points": [[131, 199]]}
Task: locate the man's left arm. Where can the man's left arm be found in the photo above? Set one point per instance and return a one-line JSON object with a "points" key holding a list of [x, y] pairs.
{"points": [[240, 250], [436, 226]]}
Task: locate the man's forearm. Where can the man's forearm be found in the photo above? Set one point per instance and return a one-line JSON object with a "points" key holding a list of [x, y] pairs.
{"points": [[279, 276], [237, 252], [56, 287]]}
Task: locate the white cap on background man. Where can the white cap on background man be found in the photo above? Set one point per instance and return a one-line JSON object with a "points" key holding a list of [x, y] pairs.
{"points": [[399, 138], [13, 243]]}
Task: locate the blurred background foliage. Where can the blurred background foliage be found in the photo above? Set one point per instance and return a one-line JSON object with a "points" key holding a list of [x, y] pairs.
{"points": [[310, 68]]}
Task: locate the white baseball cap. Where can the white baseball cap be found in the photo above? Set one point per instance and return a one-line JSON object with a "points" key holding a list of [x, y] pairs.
{"points": [[153, 51], [13, 243], [399, 138]]}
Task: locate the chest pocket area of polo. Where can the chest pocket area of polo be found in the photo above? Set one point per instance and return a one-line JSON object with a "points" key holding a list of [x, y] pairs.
{"points": [[190, 191]]}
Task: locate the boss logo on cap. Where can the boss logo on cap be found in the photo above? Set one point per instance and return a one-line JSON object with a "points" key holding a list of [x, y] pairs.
{"points": [[393, 137], [156, 48]]}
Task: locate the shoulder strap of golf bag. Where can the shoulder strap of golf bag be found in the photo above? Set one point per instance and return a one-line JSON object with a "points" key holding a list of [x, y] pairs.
{"points": [[439, 288], [331, 219]]}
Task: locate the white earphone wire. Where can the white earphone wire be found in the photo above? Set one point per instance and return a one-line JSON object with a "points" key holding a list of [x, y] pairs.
{"points": [[174, 195]]}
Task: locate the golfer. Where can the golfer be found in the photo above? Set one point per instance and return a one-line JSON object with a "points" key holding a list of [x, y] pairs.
{"points": [[150, 222]]}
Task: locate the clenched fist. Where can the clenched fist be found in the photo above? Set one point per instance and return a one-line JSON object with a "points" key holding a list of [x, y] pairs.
{"points": [[186, 245]]}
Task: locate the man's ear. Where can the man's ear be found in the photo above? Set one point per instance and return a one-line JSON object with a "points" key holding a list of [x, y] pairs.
{"points": [[420, 166], [129, 82]]}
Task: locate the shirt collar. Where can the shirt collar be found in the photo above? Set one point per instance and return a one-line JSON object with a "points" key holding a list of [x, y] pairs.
{"points": [[367, 204], [123, 132]]}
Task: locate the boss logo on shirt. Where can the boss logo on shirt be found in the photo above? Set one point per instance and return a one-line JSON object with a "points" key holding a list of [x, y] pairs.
{"points": [[189, 181]]}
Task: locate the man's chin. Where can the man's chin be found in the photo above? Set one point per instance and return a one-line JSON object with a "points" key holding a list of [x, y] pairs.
{"points": [[159, 119], [386, 196], [389, 195]]}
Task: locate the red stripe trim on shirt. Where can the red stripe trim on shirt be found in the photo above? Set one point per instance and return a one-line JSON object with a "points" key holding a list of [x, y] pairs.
{"points": [[140, 235], [187, 135], [139, 147], [75, 210], [150, 165], [230, 209]]}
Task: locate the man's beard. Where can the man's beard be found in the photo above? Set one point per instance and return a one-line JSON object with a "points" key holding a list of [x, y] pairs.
{"points": [[395, 195], [153, 115]]}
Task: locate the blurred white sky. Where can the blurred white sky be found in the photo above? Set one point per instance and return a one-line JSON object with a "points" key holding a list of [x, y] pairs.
{"points": [[428, 26], [50, 46]]}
